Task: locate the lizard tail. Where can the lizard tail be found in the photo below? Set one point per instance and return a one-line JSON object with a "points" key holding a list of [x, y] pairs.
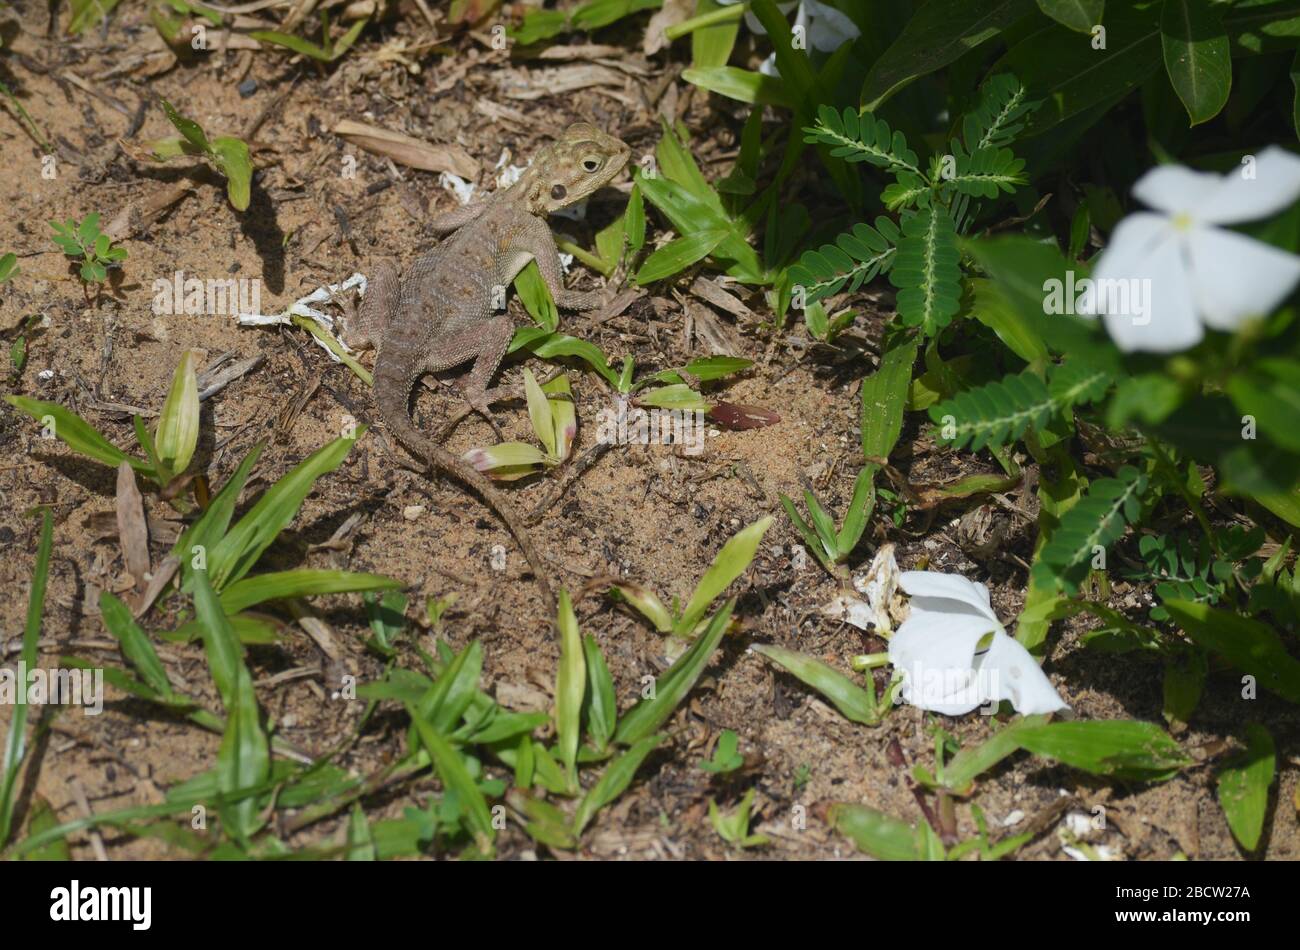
{"points": [[392, 389]]}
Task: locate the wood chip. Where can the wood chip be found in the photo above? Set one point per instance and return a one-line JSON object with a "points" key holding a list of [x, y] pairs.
{"points": [[160, 579], [711, 292], [538, 84], [132, 530], [409, 151]]}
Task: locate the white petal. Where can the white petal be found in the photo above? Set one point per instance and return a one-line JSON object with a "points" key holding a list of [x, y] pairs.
{"points": [[1276, 183], [768, 67], [1174, 189], [934, 653], [1145, 291], [830, 28], [946, 593], [1007, 671], [1236, 277], [1133, 240]]}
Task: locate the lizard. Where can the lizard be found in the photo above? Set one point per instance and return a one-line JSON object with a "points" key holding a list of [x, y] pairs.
{"points": [[440, 313]]}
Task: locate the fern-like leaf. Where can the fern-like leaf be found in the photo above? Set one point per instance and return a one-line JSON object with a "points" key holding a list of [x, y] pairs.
{"points": [[907, 191], [1076, 381], [926, 270], [994, 414], [1099, 519], [856, 257], [986, 172], [861, 137], [1000, 412], [998, 117]]}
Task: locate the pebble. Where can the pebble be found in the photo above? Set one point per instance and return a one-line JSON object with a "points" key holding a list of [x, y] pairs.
{"points": [[411, 512]]}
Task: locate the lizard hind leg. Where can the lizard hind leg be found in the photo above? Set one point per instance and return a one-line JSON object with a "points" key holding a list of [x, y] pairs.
{"points": [[486, 344], [376, 308]]}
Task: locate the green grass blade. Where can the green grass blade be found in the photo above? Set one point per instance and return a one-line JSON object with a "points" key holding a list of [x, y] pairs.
{"points": [[304, 582], [613, 781], [15, 744], [729, 564], [853, 702], [75, 432], [239, 550], [648, 715], [456, 778]]}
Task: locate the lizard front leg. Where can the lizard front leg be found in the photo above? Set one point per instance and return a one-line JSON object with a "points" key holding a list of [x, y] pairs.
{"points": [[537, 240], [457, 218]]}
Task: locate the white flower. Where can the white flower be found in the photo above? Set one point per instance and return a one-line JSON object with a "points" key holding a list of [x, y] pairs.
{"points": [[1189, 272], [825, 28], [954, 655]]}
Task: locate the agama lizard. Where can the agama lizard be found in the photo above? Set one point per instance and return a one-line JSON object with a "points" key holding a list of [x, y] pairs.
{"points": [[441, 313]]}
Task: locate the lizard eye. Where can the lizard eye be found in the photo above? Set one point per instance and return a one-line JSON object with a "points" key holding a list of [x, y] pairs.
{"points": [[591, 163], [558, 192]]}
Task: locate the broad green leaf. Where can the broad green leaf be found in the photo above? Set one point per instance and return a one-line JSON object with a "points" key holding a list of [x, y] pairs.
{"points": [[1071, 74], [645, 718], [233, 161], [570, 686], [539, 412], [689, 213], [1198, 56], [564, 414], [876, 833], [960, 772], [291, 42], [729, 564], [1078, 15], [190, 129], [991, 308], [135, 644], [854, 703], [1250, 645], [507, 461], [178, 422], [939, 33], [1244, 784], [884, 394], [600, 704], [548, 345], [679, 396], [678, 254], [861, 507], [740, 84], [634, 220], [212, 524], [1122, 748], [712, 43]]}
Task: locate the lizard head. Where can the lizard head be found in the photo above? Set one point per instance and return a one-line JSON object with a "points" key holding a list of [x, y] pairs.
{"points": [[581, 161]]}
